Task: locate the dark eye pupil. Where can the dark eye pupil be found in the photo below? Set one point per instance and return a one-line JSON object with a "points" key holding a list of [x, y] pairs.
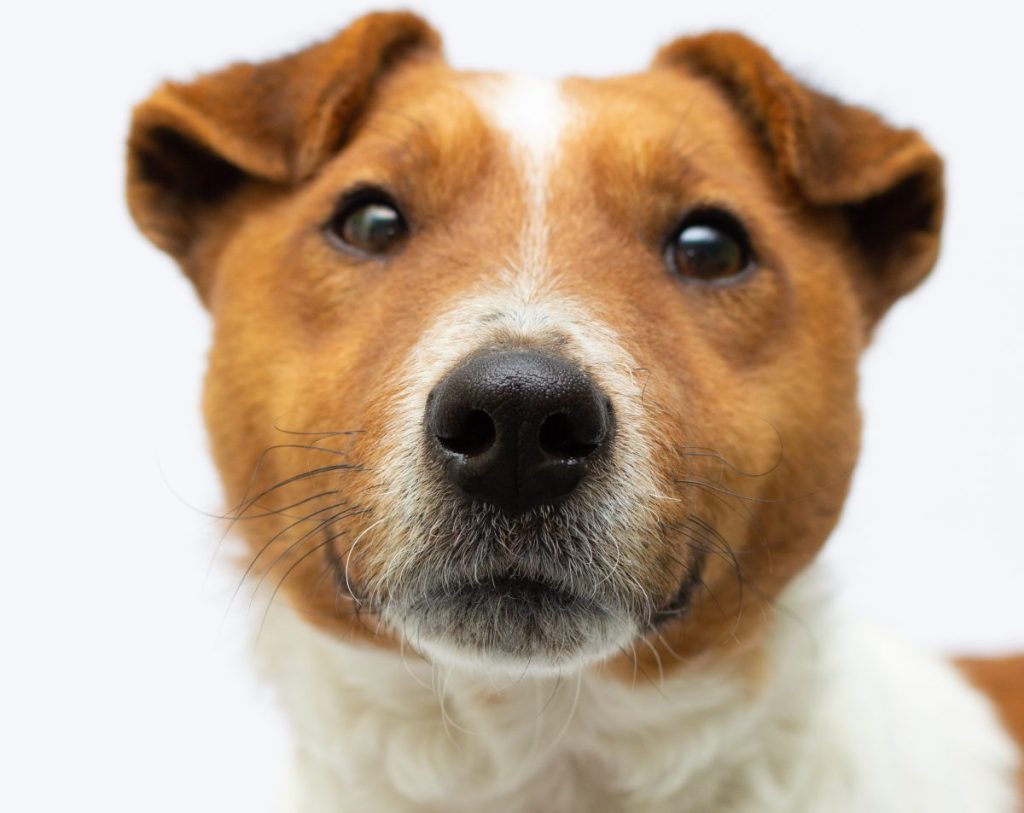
{"points": [[372, 227], [704, 251]]}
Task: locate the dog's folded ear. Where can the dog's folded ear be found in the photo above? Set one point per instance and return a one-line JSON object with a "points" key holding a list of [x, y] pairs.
{"points": [[192, 145], [886, 181]]}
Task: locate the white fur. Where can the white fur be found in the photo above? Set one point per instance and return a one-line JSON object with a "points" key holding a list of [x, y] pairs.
{"points": [[534, 116], [837, 718]]}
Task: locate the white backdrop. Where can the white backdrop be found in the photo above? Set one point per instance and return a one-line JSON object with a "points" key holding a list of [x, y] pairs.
{"points": [[119, 689]]}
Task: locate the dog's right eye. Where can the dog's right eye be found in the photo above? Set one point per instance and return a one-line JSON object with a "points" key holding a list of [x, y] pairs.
{"points": [[710, 246], [367, 223]]}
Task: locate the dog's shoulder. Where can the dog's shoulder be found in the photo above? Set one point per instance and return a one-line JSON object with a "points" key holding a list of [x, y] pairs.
{"points": [[1002, 681]]}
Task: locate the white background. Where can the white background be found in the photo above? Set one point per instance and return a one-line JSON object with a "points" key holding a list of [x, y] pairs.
{"points": [[118, 689]]}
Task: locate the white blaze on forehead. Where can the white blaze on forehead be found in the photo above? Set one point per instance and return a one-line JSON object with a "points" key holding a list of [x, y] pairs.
{"points": [[534, 115], [532, 112]]}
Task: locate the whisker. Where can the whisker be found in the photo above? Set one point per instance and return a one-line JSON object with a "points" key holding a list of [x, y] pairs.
{"points": [[293, 546], [657, 660], [252, 562], [331, 434], [706, 451], [243, 507], [765, 602], [273, 595], [306, 475], [270, 512]]}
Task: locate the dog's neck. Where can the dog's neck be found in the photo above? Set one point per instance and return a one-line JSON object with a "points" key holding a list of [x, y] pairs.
{"points": [[817, 716]]}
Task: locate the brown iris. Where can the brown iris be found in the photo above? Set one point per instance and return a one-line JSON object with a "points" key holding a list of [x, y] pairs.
{"points": [[370, 226], [710, 246]]}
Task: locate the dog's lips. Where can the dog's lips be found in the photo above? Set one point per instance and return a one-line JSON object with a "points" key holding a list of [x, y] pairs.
{"points": [[509, 610], [527, 597], [679, 602], [512, 587], [505, 617]]}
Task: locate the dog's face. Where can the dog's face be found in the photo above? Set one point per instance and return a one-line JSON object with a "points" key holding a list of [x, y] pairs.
{"points": [[526, 373]]}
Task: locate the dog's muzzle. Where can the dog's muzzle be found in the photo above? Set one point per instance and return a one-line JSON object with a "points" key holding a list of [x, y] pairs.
{"points": [[524, 551], [517, 428]]}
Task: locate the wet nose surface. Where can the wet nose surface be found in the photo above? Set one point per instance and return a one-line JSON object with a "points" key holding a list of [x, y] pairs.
{"points": [[517, 428]]}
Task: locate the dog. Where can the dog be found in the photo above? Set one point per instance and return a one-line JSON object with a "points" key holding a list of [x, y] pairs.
{"points": [[535, 402]]}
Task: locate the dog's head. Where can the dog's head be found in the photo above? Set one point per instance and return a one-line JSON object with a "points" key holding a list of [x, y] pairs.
{"points": [[524, 373]]}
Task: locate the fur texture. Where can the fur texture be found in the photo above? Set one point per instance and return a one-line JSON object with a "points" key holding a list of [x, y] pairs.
{"points": [[824, 714]]}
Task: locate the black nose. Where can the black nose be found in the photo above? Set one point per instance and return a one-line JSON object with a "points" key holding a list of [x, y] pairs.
{"points": [[517, 428]]}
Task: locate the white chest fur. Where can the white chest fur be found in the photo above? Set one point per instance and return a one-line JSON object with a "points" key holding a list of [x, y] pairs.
{"points": [[836, 718]]}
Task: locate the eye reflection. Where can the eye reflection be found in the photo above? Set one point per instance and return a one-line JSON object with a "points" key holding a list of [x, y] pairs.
{"points": [[372, 226], [709, 246]]}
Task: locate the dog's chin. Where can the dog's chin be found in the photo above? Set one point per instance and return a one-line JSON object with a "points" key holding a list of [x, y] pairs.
{"points": [[513, 626]]}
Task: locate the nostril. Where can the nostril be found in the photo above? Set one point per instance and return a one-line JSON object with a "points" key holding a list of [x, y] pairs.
{"points": [[474, 435], [517, 428], [557, 438]]}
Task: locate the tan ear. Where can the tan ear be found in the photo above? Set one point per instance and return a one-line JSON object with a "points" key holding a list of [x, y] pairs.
{"points": [[192, 145], [887, 181]]}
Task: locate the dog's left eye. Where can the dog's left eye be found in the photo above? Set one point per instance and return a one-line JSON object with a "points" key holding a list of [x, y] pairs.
{"points": [[709, 246], [369, 224]]}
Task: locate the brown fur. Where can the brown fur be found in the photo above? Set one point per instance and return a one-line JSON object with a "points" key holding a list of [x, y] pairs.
{"points": [[1002, 679], [235, 173]]}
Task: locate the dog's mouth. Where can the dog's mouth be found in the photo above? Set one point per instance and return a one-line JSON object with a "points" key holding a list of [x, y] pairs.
{"points": [[506, 618], [512, 587], [544, 592], [522, 600], [518, 622]]}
